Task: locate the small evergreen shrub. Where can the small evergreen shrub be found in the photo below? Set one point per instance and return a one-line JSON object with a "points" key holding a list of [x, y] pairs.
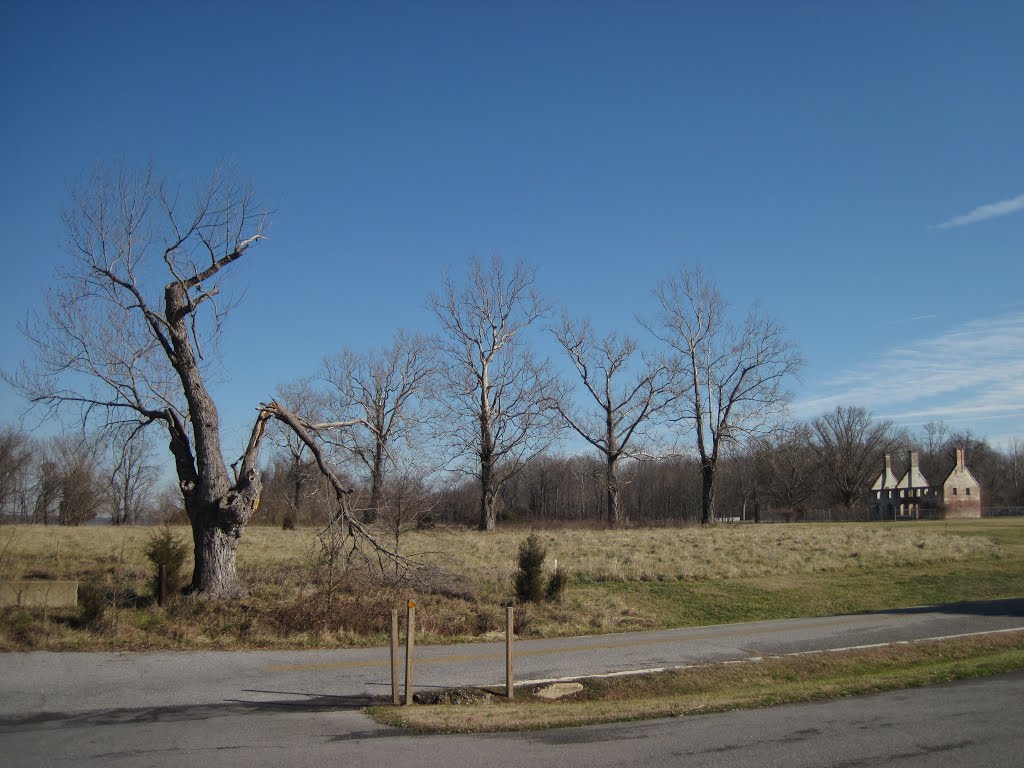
{"points": [[529, 576], [164, 548]]}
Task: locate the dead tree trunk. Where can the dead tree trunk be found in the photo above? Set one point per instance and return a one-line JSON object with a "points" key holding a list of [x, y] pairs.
{"points": [[488, 514], [376, 482], [707, 476], [488, 517], [612, 484]]}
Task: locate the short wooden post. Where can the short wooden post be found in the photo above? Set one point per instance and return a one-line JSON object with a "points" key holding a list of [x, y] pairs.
{"points": [[410, 633], [162, 598], [396, 699], [509, 633]]}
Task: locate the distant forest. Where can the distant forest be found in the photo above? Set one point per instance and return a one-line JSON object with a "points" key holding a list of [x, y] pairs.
{"points": [[795, 475]]}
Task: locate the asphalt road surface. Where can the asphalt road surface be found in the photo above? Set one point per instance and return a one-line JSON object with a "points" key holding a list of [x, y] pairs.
{"points": [[244, 708], [71, 683], [967, 723]]}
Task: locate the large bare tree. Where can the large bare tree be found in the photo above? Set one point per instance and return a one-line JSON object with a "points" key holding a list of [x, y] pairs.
{"points": [[380, 394], [622, 396], [496, 394], [787, 465], [731, 378], [125, 333], [852, 445]]}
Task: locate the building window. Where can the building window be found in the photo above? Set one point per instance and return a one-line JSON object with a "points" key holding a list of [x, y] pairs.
{"points": [[954, 491], [968, 491]]}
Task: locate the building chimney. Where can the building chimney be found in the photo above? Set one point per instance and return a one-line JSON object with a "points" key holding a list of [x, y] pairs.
{"points": [[913, 472], [960, 459], [887, 475]]}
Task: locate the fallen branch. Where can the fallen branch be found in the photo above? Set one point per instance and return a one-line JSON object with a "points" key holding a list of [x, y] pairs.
{"points": [[343, 517]]}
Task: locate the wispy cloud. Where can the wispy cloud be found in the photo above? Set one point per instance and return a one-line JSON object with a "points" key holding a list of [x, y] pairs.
{"points": [[914, 319], [985, 212], [968, 375]]}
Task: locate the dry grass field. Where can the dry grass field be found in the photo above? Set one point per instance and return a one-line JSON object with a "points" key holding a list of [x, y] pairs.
{"points": [[619, 580]]}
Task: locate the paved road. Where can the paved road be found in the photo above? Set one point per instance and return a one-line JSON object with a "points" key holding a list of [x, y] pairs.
{"points": [[54, 686], [968, 723]]}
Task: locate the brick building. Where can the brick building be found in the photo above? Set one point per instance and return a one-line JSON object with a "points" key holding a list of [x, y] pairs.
{"points": [[959, 495]]}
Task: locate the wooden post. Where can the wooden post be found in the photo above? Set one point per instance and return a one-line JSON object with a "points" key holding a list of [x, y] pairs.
{"points": [[396, 699], [162, 598], [509, 632], [410, 633]]}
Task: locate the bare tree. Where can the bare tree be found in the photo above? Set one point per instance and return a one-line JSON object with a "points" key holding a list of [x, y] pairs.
{"points": [[67, 488], [45, 491], [295, 468], [852, 445], [737, 482], [81, 495], [132, 476], [1015, 470], [379, 394], [404, 506], [135, 355], [625, 396], [496, 395], [787, 467], [125, 332], [15, 466], [731, 378], [930, 442]]}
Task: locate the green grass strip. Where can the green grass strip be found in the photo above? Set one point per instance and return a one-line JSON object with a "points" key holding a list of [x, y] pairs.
{"points": [[722, 687]]}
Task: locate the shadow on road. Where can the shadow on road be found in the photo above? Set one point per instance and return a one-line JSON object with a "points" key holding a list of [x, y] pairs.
{"points": [[1013, 606], [183, 713]]}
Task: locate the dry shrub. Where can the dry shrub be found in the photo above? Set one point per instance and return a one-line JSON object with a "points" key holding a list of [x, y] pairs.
{"points": [[351, 602], [432, 580], [20, 627], [556, 585], [526, 616], [488, 618]]}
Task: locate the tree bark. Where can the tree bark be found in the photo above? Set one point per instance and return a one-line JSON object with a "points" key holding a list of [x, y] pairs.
{"points": [[217, 527], [612, 485], [215, 574], [488, 516], [376, 482], [217, 510], [707, 476]]}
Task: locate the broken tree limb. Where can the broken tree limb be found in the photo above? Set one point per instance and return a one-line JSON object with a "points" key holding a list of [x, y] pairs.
{"points": [[343, 517]]}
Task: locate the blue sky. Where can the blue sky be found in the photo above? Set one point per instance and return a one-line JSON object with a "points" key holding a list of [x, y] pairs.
{"points": [[856, 168]]}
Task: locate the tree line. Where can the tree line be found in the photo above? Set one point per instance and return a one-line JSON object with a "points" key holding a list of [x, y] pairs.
{"points": [[817, 470], [814, 471], [435, 425], [75, 478]]}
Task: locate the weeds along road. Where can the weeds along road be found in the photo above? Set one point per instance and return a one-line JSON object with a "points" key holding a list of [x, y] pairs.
{"points": [[44, 686]]}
